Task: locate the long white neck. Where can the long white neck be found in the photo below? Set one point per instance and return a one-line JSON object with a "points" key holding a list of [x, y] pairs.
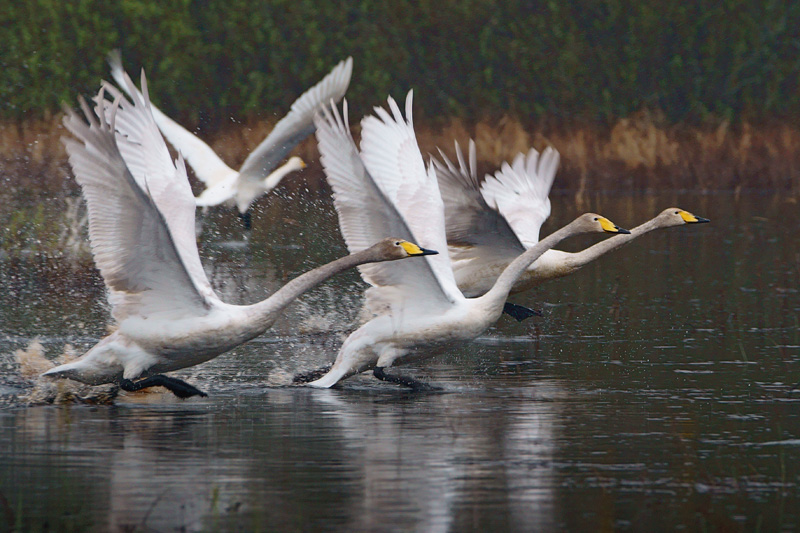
{"points": [[265, 312], [497, 295], [275, 177], [580, 259]]}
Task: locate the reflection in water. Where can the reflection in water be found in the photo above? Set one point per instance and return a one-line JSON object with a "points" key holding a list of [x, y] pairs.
{"points": [[364, 460], [658, 394]]}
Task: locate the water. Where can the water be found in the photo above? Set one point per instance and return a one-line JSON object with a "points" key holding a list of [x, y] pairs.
{"points": [[658, 393]]}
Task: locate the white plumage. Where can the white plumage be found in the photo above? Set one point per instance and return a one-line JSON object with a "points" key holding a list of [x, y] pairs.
{"points": [[490, 223], [258, 174], [141, 227], [417, 306]]}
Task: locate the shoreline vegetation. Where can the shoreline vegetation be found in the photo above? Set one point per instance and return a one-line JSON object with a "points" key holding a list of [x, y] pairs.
{"points": [[635, 154], [637, 97], [43, 213]]}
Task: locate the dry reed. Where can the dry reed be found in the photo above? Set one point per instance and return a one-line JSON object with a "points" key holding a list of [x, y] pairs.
{"points": [[637, 153]]}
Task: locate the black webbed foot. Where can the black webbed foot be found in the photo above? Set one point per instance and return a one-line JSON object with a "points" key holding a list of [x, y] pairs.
{"points": [[405, 381], [519, 312], [311, 375], [178, 387], [247, 220]]}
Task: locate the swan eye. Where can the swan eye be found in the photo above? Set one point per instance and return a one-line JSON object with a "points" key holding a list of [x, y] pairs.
{"points": [[596, 218], [397, 243], [677, 212]]}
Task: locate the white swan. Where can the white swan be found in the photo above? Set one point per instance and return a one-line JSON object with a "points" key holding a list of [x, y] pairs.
{"points": [[416, 306], [256, 175], [490, 224], [141, 227]]}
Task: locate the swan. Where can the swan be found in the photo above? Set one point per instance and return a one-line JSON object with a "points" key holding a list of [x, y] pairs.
{"points": [[418, 306], [256, 175], [489, 224], [141, 228]]}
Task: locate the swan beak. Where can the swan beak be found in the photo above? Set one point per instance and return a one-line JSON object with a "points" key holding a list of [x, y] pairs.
{"points": [[413, 249], [302, 164], [610, 227], [692, 219]]}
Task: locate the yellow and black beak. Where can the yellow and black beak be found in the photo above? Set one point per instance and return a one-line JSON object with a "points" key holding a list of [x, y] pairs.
{"points": [[692, 219], [610, 227], [413, 249]]}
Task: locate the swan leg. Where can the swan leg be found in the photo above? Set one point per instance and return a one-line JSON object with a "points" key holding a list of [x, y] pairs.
{"points": [[247, 220], [178, 387], [311, 375], [380, 373], [520, 312]]}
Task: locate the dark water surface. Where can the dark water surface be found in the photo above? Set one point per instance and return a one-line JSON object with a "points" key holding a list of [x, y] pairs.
{"points": [[658, 393]]}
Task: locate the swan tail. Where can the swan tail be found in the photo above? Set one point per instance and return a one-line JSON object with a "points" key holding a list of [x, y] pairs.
{"points": [[330, 379], [86, 370]]}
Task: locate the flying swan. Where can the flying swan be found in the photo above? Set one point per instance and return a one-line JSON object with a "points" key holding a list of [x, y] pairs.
{"points": [[256, 175], [141, 228], [489, 224], [415, 306]]}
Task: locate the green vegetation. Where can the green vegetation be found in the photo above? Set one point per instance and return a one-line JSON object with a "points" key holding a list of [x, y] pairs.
{"points": [[473, 59]]}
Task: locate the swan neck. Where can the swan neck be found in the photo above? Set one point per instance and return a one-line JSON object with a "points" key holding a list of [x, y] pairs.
{"points": [[271, 181], [267, 310], [584, 257], [503, 285]]}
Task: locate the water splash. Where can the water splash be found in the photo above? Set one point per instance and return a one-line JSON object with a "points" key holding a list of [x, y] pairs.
{"points": [[32, 363]]}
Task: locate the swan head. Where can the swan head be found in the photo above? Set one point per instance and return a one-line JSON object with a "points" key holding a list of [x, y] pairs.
{"points": [[675, 216], [295, 163], [594, 223], [392, 249]]}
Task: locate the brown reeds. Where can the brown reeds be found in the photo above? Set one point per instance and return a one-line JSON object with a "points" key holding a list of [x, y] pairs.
{"points": [[635, 154]]}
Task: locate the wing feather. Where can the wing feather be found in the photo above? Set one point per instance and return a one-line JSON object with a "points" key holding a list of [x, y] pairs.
{"points": [[146, 156], [520, 192], [391, 155], [131, 242], [474, 229], [207, 165], [297, 124], [366, 214]]}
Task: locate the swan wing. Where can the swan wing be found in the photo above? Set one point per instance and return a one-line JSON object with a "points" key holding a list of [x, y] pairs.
{"points": [[365, 213], [392, 157], [133, 246], [519, 191], [473, 228], [147, 158], [297, 124], [206, 164]]}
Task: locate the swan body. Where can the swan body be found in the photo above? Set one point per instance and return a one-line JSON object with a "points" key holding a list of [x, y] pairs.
{"points": [[141, 227], [244, 192], [418, 308], [257, 174], [489, 224]]}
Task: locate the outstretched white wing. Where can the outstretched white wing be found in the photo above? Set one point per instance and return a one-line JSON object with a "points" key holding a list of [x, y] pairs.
{"points": [[133, 245], [297, 124], [366, 214], [520, 192], [391, 155], [147, 158], [474, 230], [207, 165]]}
